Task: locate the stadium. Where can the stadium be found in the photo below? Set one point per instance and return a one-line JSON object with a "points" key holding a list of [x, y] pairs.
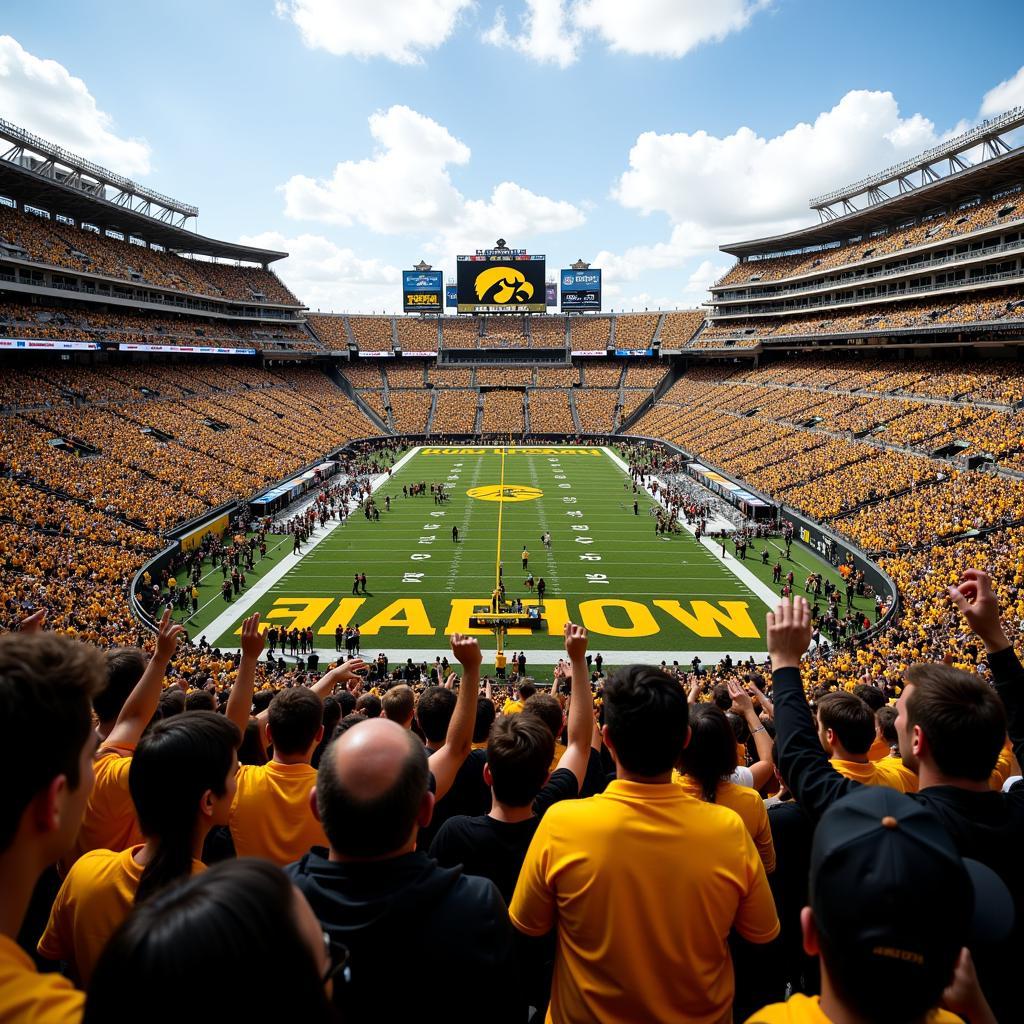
{"points": [[809, 486]]}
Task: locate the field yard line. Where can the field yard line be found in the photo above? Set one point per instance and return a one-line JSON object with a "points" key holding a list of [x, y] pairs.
{"points": [[237, 608], [730, 562]]}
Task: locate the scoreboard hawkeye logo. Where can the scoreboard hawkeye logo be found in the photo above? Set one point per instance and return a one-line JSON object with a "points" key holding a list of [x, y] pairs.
{"points": [[510, 492], [502, 284]]}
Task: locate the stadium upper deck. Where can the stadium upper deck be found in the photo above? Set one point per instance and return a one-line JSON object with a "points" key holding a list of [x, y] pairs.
{"points": [[921, 250]]}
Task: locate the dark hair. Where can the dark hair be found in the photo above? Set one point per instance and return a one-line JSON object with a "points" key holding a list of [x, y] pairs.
{"points": [[47, 682], [711, 753], [294, 718], [361, 827], [125, 666], [485, 715], [740, 729], [526, 689], [519, 753], [261, 700], [236, 914], [200, 700], [369, 704], [548, 710], [398, 703], [647, 715], [331, 718], [251, 751], [720, 696], [871, 695], [434, 711], [962, 717], [345, 724], [172, 702], [885, 717], [175, 763], [347, 700], [849, 718]]}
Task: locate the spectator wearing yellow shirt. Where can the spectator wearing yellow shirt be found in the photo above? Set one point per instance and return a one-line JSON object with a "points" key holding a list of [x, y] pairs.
{"points": [[182, 781], [886, 721], [271, 815], [846, 728], [524, 691], [892, 907], [109, 822], [46, 682], [643, 858]]}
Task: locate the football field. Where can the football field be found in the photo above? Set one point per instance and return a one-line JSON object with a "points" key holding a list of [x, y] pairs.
{"points": [[640, 596]]}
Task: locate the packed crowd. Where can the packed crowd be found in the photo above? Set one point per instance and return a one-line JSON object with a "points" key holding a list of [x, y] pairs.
{"points": [[80, 249], [837, 851], [503, 412]]}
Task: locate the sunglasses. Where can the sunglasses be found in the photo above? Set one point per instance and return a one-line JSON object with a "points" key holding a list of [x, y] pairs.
{"points": [[337, 958]]}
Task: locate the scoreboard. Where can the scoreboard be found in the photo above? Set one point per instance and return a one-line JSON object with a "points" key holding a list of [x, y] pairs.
{"points": [[581, 290], [501, 281], [422, 291]]}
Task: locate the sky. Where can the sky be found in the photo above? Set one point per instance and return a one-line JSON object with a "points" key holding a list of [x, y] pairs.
{"points": [[638, 135]]}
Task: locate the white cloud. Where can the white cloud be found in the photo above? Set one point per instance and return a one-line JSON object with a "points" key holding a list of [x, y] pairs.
{"points": [[398, 30], [329, 277], [695, 290], [744, 182], [1003, 96], [664, 28], [43, 97], [545, 37], [405, 188], [553, 31]]}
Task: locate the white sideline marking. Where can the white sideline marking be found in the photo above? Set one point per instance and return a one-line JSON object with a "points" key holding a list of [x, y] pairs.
{"points": [[236, 609], [730, 562]]}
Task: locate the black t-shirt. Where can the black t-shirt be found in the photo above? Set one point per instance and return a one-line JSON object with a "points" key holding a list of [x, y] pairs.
{"points": [[496, 849], [469, 795]]}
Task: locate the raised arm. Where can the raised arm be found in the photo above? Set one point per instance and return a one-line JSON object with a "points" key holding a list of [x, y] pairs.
{"points": [[976, 601], [766, 705], [143, 701], [239, 705], [743, 706], [349, 673], [802, 761], [458, 742], [581, 705]]}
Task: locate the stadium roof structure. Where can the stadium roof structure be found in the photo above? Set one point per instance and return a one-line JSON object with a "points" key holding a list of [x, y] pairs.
{"points": [[936, 178], [45, 176]]}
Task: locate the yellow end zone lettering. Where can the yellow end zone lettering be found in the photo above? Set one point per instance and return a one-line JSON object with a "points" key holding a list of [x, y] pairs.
{"points": [[408, 616]]}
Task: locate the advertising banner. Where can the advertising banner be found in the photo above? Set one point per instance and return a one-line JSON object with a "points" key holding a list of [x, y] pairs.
{"points": [[422, 291], [552, 294], [202, 350], [34, 343], [581, 290], [451, 296]]}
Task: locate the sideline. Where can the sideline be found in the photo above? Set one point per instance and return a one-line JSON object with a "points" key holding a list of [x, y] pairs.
{"points": [[237, 609], [729, 562]]}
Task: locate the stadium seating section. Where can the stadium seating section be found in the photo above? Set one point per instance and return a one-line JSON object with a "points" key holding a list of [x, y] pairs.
{"points": [[51, 242]]}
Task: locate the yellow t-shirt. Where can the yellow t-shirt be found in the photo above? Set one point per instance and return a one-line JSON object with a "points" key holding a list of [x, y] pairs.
{"points": [[500, 661], [635, 869], [109, 821], [895, 764], [747, 804], [511, 707], [95, 898], [800, 1009], [271, 816], [28, 997], [1004, 767], [871, 774], [879, 749]]}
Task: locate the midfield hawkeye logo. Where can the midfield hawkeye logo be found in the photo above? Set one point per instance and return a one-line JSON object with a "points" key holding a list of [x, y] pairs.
{"points": [[510, 492], [502, 284]]}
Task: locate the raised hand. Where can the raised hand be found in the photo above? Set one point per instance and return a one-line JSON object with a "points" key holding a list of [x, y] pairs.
{"points": [[34, 623], [741, 701], [253, 640], [976, 600], [167, 637], [788, 632], [575, 642], [466, 650]]}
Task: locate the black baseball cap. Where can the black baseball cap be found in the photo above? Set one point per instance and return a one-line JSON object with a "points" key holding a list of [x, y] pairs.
{"points": [[894, 902]]}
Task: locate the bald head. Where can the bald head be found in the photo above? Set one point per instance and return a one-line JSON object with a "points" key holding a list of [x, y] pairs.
{"points": [[371, 789]]}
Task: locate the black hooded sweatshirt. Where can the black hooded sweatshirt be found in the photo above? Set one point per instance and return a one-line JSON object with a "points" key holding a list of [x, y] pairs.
{"points": [[422, 939]]}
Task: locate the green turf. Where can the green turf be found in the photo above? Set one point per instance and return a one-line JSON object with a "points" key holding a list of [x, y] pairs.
{"points": [[602, 555]]}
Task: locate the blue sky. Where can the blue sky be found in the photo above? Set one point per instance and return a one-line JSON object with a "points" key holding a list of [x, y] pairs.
{"points": [[639, 135]]}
